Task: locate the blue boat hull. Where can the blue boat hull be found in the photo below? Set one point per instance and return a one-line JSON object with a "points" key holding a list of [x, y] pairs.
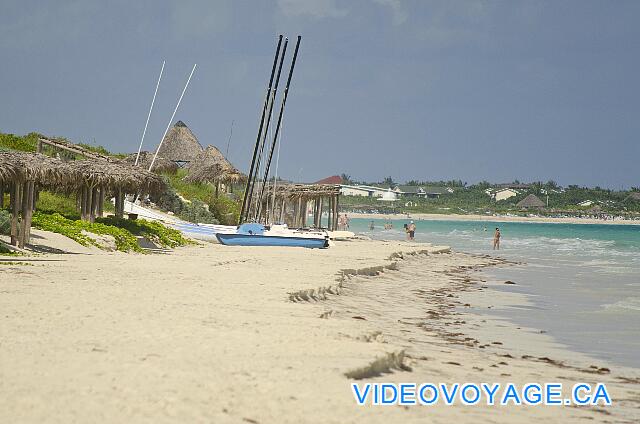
{"points": [[260, 240]]}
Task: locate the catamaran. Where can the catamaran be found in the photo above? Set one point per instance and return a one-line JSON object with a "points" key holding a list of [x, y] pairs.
{"points": [[253, 233]]}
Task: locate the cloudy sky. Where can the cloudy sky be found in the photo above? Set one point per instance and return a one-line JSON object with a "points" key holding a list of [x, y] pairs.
{"points": [[475, 90]]}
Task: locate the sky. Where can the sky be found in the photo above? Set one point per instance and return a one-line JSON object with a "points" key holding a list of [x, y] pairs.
{"points": [[425, 90]]}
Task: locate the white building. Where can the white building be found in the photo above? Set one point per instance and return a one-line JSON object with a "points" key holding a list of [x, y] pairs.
{"points": [[503, 194], [362, 190]]}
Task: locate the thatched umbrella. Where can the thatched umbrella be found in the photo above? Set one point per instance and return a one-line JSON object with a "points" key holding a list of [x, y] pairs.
{"points": [[212, 167], [531, 201], [161, 164], [180, 145]]}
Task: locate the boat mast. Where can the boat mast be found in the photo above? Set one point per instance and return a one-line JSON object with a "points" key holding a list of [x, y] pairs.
{"points": [[244, 210], [275, 137], [266, 129], [171, 119], [149, 115]]}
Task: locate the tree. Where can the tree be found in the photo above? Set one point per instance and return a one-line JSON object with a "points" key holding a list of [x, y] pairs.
{"points": [[388, 181], [346, 179]]}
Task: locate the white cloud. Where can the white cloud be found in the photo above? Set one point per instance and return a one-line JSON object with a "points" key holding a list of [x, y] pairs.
{"points": [[315, 8], [398, 13]]}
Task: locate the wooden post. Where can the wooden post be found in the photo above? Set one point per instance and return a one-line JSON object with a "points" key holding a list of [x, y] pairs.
{"points": [[119, 204], [100, 202], [93, 206], [335, 212], [283, 209], [31, 206], [1, 195], [298, 213], [39, 147], [305, 213], [330, 220], [15, 210], [22, 233], [319, 212]]}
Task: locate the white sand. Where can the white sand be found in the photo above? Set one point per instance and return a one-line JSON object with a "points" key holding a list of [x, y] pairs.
{"points": [[210, 334]]}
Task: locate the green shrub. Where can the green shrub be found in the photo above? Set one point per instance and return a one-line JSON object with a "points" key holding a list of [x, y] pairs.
{"points": [[25, 143], [125, 241], [226, 210], [154, 231], [197, 212]]}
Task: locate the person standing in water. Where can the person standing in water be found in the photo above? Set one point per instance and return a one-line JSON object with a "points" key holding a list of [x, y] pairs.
{"points": [[371, 226], [496, 239], [411, 229]]}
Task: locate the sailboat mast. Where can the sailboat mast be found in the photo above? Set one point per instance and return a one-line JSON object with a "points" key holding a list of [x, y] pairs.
{"points": [[245, 208], [275, 137], [266, 130]]}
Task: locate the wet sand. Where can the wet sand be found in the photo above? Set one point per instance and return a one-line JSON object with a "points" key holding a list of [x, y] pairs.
{"points": [[268, 335]]}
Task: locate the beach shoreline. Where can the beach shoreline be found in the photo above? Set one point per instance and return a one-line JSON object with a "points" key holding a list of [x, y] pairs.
{"points": [[234, 334], [490, 218]]}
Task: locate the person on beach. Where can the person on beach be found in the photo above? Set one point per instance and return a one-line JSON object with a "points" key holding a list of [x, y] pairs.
{"points": [[411, 230], [371, 226], [496, 239]]}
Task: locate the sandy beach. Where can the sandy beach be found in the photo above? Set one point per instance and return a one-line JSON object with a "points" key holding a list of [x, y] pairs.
{"points": [[269, 335], [472, 217]]}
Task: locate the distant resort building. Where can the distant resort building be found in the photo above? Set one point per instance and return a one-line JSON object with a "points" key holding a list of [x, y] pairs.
{"points": [[502, 193], [362, 190], [404, 191], [586, 203]]}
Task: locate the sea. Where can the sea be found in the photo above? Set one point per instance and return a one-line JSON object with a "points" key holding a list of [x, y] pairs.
{"points": [[582, 281]]}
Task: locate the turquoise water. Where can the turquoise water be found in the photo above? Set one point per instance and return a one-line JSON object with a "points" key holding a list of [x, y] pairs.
{"points": [[582, 280]]}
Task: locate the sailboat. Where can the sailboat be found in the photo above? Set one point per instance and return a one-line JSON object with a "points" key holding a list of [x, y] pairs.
{"points": [[254, 233]]}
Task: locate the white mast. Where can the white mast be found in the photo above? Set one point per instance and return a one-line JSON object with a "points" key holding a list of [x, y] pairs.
{"points": [[172, 116], [149, 115]]}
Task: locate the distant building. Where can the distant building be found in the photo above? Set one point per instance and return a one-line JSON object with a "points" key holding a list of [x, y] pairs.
{"points": [[502, 194], [362, 190], [334, 179], [427, 192], [586, 203], [531, 202]]}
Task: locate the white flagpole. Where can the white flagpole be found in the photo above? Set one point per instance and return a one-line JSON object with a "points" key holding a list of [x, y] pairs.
{"points": [[149, 115], [172, 116]]}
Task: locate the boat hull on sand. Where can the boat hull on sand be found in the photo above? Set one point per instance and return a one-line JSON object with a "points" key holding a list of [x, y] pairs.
{"points": [[263, 240]]}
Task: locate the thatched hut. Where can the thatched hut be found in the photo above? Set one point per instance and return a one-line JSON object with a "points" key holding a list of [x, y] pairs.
{"points": [[531, 202], [292, 201], [26, 173], [210, 166], [180, 145], [144, 161]]}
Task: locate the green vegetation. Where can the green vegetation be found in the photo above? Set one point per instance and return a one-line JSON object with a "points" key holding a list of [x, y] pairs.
{"points": [[25, 143], [204, 206], [123, 231], [473, 199]]}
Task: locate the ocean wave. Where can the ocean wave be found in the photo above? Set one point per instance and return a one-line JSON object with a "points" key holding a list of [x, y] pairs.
{"points": [[630, 303]]}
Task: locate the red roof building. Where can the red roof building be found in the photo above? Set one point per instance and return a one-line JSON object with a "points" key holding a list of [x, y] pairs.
{"points": [[334, 179]]}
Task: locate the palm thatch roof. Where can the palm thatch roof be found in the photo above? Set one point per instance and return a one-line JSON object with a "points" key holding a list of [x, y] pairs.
{"points": [[531, 201], [211, 166], [180, 144], [161, 164], [57, 175], [634, 196], [292, 190]]}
